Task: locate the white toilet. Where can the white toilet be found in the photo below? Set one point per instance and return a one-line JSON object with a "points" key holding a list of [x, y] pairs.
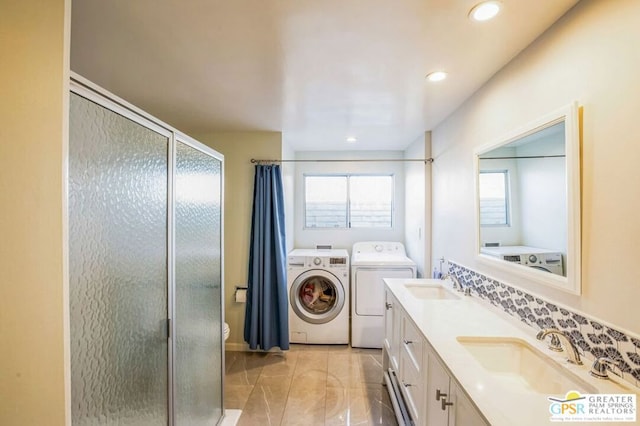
{"points": [[226, 331]]}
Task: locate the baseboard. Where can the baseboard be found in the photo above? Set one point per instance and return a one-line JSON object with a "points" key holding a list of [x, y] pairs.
{"points": [[244, 347], [236, 347]]}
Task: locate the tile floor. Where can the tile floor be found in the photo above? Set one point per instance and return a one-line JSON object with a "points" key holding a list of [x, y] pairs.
{"points": [[308, 385]]}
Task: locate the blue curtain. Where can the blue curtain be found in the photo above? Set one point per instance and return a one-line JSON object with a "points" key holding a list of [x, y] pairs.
{"points": [[267, 312]]}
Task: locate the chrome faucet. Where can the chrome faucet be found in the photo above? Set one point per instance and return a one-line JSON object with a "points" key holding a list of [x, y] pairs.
{"points": [[573, 356], [599, 368], [454, 280]]}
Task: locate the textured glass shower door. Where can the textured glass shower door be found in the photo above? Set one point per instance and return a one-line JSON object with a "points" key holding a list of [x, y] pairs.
{"points": [[198, 283], [118, 173]]}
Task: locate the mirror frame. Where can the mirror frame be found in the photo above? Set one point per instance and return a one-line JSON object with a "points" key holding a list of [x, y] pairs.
{"points": [[572, 282]]}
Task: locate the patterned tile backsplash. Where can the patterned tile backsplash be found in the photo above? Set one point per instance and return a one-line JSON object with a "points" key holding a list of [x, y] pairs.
{"points": [[593, 338]]}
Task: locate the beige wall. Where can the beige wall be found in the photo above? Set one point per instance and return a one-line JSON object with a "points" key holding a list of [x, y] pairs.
{"points": [[238, 149], [33, 117], [591, 55]]}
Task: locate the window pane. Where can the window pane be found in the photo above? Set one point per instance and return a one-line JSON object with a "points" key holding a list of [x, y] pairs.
{"points": [[493, 198], [325, 202], [371, 200]]}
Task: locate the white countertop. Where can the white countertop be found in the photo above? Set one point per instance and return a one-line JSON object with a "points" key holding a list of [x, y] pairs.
{"points": [[441, 321]]}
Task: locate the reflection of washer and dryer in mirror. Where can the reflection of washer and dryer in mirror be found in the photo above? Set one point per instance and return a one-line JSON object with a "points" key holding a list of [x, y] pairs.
{"points": [[323, 291], [537, 258]]}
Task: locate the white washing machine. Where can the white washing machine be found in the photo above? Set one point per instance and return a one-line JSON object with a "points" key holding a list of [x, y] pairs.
{"points": [[318, 282], [371, 263]]}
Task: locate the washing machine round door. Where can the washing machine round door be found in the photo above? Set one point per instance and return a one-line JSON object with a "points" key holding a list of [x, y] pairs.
{"points": [[317, 296]]}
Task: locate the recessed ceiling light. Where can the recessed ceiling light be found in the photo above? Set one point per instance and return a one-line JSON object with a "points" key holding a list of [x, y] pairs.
{"points": [[485, 10], [436, 76], [351, 139]]}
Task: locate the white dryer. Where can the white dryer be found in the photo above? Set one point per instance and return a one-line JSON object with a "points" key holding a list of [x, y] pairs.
{"points": [[371, 262], [318, 282]]}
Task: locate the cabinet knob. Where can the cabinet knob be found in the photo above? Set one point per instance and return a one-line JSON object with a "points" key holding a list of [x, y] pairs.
{"points": [[388, 305], [407, 342], [440, 395], [406, 385], [444, 404]]}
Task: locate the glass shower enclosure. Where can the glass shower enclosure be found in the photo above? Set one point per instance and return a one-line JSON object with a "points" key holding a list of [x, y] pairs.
{"points": [[145, 268]]}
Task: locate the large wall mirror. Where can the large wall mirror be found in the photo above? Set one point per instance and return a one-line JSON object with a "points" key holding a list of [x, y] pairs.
{"points": [[528, 201]]}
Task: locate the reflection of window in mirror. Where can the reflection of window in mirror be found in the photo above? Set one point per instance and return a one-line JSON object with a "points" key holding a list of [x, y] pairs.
{"points": [[528, 201], [494, 198]]}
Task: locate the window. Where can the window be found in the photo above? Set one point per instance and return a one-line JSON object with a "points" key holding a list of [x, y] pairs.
{"points": [[325, 201], [494, 198], [348, 201]]}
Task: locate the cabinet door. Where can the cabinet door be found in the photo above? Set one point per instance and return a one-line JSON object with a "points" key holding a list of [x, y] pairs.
{"points": [[388, 319], [437, 388], [463, 412], [392, 317]]}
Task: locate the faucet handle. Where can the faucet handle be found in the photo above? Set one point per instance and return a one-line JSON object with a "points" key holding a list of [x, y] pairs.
{"points": [[599, 368], [573, 355], [455, 283], [554, 344]]}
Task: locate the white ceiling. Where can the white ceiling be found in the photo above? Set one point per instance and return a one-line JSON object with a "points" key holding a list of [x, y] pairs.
{"points": [[316, 70]]}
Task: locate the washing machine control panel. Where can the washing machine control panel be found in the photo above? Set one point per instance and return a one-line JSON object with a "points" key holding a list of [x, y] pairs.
{"points": [[318, 259], [296, 261], [327, 262], [549, 262], [318, 262]]}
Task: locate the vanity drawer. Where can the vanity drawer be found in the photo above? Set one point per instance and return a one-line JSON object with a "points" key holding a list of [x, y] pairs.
{"points": [[412, 386], [413, 342]]}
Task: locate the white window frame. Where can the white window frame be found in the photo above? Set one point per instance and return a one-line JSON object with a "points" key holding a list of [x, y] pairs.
{"points": [[507, 200], [348, 200]]}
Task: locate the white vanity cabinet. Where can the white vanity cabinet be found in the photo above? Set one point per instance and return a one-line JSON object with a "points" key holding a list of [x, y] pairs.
{"points": [[429, 394], [447, 404], [403, 354]]}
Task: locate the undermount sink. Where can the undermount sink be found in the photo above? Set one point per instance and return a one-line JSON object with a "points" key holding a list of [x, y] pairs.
{"points": [[517, 363], [430, 289]]}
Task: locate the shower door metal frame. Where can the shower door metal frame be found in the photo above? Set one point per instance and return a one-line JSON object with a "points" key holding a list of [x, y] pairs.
{"points": [[91, 91]]}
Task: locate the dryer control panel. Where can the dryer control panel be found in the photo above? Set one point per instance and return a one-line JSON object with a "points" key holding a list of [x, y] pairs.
{"points": [[382, 247]]}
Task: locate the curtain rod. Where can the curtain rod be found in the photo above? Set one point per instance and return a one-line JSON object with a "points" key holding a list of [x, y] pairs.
{"points": [[423, 160], [524, 156]]}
